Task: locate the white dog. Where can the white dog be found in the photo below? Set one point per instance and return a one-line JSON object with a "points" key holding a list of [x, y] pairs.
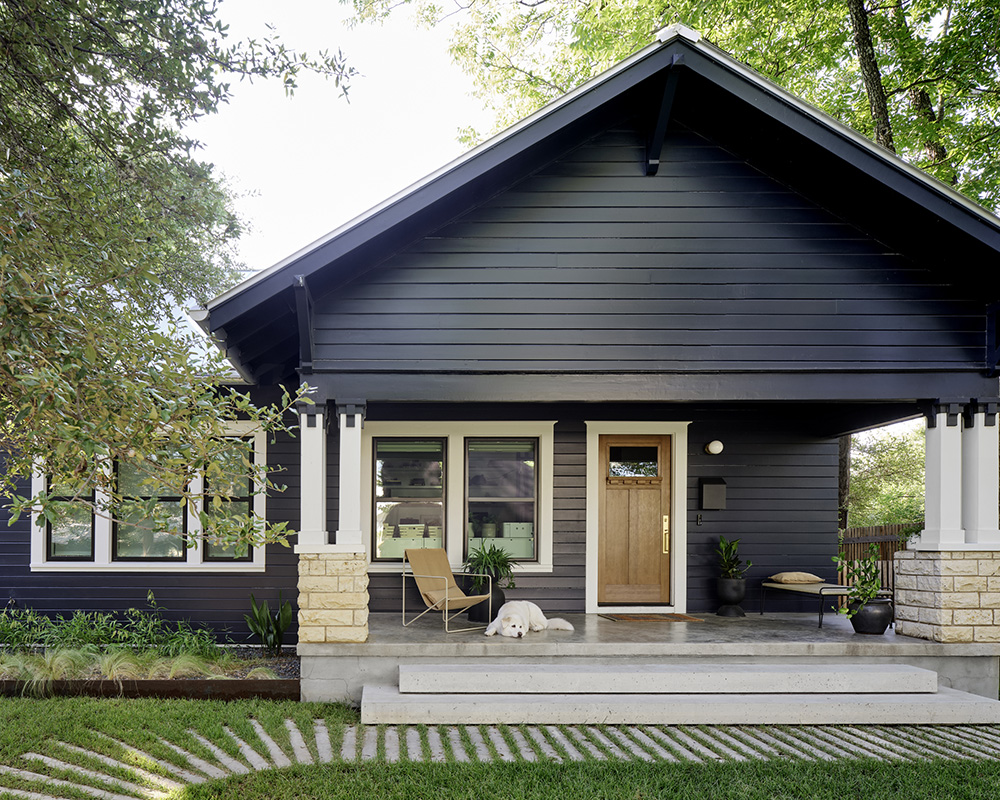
{"points": [[517, 617]]}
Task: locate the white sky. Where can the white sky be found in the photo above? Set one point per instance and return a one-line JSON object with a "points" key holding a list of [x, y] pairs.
{"points": [[311, 162]]}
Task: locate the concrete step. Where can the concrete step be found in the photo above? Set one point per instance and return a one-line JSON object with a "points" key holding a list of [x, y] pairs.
{"points": [[387, 705], [688, 678]]}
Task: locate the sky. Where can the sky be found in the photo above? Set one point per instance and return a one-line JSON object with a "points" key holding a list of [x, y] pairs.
{"points": [[306, 164]]}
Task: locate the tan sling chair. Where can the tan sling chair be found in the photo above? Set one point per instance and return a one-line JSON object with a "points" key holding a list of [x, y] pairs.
{"points": [[438, 588]]}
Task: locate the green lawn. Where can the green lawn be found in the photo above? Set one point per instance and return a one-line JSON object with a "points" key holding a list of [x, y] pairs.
{"points": [[746, 781], [37, 726]]}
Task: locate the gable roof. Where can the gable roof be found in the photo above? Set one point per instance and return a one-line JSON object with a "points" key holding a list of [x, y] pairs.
{"points": [[777, 132]]}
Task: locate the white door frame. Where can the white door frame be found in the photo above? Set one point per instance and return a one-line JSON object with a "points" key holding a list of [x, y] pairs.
{"points": [[678, 511]]}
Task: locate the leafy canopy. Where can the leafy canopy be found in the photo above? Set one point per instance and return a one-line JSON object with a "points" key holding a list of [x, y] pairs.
{"points": [[937, 62], [887, 477], [109, 223]]}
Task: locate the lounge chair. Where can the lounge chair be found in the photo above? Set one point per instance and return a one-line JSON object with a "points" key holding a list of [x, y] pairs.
{"points": [[439, 590]]}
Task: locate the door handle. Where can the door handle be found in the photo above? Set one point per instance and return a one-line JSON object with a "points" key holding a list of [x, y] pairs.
{"points": [[666, 534]]}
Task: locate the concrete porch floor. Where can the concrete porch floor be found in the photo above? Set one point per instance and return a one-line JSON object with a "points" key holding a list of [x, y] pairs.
{"points": [[339, 671]]}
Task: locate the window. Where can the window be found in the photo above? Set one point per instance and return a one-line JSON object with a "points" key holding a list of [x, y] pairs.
{"points": [[409, 495], [81, 540], [458, 485], [70, 537], [501, 495]]}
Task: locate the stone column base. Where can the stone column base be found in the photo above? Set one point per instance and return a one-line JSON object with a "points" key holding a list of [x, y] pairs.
{"points": [[950, 596], [333, 597]]}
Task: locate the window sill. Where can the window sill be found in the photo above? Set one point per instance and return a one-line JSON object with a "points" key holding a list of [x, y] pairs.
{"points": [[138, 566]]}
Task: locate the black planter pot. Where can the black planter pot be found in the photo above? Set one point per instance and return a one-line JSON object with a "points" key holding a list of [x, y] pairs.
{"points": [[873, 617], [481, 612], [731, 592]]}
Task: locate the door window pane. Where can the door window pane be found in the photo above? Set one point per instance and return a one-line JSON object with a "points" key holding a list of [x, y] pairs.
{"points": [[409, 495], [633, 462], [501, 493]]}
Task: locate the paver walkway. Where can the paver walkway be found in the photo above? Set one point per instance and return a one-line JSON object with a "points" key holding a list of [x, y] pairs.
{"points": [[119, 770]]}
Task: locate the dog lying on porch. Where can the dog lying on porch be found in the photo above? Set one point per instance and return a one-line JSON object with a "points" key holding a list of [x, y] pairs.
{"points": [[517, 617]]}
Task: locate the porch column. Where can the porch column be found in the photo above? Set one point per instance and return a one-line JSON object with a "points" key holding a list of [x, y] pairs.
{"points": [[981, 475], [948, 581], [351, 419], [312, 491], [333, 577], [943, 480]]}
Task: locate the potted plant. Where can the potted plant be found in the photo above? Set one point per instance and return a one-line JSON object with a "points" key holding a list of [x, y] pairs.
{"points": [[867, 612], [497, 563], [731, 584]]}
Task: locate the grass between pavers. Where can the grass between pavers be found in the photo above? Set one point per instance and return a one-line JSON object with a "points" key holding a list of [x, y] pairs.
{"points": [[35, 725], [616, 781]]}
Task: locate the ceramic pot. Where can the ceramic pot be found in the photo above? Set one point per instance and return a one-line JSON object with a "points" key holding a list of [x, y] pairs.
{"points": [[481, 612], [731, 592], [873, 617]]}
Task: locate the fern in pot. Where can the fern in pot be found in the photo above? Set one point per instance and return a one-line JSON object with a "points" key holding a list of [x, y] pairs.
{"points": [[497, 563]]}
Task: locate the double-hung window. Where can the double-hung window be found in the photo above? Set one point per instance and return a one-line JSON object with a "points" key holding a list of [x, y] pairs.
{"points": [[460, 486], [81, 536]]}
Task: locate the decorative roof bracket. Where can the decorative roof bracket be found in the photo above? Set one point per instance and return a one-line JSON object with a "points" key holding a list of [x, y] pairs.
{"points": [[654, 144], [303, 314]]}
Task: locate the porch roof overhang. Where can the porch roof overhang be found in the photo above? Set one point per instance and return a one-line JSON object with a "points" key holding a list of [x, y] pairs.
{"points": [[774, 131]]}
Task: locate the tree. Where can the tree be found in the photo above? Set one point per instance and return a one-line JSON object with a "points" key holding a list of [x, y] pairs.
{"points": [[108, 224], [887, 477], [921, 77]]}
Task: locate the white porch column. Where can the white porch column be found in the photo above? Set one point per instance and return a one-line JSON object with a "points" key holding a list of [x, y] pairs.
{"points": [[351, 418], [312, 499], [943, 481], [333, 578], [981, 476]]}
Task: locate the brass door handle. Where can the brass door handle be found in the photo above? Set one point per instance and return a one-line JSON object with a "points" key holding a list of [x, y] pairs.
{"points": [[666, 534]]}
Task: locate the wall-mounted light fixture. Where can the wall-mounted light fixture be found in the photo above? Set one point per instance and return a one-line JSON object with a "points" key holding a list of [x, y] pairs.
{"points": [[714, 447]]}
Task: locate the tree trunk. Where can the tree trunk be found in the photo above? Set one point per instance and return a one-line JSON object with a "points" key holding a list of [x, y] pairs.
{"points": [[870, 74]]}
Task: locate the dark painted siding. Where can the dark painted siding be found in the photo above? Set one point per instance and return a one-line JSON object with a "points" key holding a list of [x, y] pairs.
{"points": [[214, 600], [588, 265], [782, 501]]}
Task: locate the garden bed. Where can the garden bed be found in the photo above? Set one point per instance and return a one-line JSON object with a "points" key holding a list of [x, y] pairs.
{"points": [[184, 688]]}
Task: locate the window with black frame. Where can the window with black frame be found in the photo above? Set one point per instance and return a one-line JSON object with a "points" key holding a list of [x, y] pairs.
{"points": [[150, 512], [501, 490], [409, 503], [229, 494], [69, 527]]}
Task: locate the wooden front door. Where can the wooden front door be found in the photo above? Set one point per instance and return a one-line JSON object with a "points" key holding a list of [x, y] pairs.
{"points": [[634, 529]]}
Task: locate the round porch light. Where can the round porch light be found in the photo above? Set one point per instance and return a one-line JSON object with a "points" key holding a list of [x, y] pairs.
{"points": [[714, 447]]}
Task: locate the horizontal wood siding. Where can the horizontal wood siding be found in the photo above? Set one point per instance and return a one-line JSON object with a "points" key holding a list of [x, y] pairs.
{"points": [[590, 265], [781, 502], [207, 599]]}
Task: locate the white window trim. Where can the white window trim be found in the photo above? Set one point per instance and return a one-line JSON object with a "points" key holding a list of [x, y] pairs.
{"points": [[456, 433], [678, 501], [193, 561]]}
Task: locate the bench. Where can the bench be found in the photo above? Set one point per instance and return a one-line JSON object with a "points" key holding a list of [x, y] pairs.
{"points": [[820, 590]]}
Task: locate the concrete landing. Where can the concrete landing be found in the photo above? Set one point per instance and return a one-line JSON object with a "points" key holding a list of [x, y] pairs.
{"points": [[599, 678], [387, 705]]}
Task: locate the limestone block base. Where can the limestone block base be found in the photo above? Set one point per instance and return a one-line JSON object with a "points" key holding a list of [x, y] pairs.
{"points": [[333, 597], [949, 596]]}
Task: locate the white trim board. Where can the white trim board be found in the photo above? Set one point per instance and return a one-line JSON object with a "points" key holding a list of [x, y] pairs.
{"points": [[678, 511]]}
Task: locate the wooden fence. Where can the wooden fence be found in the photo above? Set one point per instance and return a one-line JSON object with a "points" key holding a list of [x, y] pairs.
{"points": [[888, 538]]}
